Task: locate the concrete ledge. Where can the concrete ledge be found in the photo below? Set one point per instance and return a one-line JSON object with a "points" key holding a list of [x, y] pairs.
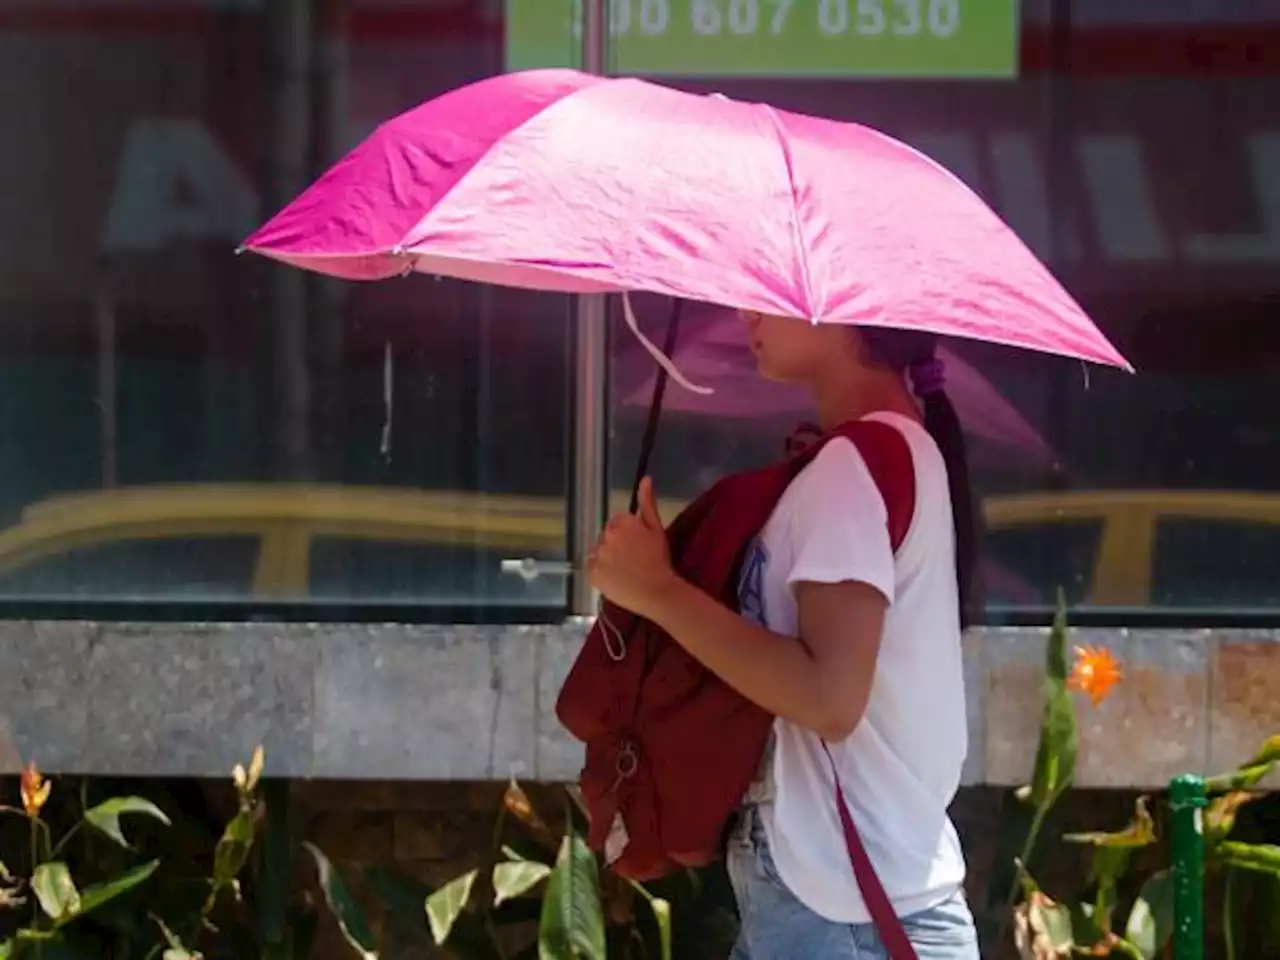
{"points": [[393, 702]]}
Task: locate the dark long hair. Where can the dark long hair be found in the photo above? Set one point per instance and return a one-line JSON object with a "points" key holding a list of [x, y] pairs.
{"points": [[915, 356]]}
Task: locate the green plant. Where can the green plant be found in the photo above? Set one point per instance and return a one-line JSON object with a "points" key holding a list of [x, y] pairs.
{"points": [[185, 899], [541, 892], [1118, 914], [54, 899], [580, 897]]}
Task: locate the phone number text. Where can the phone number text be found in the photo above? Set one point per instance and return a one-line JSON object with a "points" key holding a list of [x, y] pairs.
{"points": [[745, 18]]}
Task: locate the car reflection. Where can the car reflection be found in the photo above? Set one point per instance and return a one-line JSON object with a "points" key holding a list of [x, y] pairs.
{"points": [[1106, 548]]}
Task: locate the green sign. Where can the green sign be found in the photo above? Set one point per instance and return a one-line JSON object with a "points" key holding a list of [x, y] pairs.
{"points": [[776, 38]]}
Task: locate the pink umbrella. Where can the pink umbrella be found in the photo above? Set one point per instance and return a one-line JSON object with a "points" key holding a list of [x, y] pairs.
{"points": [[717, 357], [559, 180]]}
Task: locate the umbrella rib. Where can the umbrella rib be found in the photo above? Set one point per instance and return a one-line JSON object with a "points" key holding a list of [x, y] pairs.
{"points": [[802, 255]]}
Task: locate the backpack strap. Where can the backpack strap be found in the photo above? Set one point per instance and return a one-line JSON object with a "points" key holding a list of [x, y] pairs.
{"points": [[888, 458], [887, 455], [888, 925]]}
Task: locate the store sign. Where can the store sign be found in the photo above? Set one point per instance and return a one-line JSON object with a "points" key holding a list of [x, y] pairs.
{"points": [[776, 38]]}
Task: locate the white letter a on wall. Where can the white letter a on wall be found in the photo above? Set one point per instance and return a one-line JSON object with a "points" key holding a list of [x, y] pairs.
{"points": [[176, 183]]}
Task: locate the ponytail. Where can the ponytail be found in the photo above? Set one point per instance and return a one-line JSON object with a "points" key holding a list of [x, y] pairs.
{"points": [[915, 356], [943, 424]]}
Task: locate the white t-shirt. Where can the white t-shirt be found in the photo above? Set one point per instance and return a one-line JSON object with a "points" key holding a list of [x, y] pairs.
{"points": [[901, 767]]}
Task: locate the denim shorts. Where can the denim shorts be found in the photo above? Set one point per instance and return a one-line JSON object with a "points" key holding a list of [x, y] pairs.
{"points": [[777, 926]]}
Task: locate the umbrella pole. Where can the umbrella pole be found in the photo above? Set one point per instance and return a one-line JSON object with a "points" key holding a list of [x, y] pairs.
{"points": [[655, 405], [590, 393]]}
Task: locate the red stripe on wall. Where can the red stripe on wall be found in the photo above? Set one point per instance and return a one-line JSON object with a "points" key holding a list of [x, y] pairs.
{"points": [[1235, 50]]}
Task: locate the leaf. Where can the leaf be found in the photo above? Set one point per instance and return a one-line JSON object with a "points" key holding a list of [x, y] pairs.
{"points": [[256, 765], [1150, 921], [232, 851], [345, 909], [1269, 752], [34, 790], [1261, 857], [1140, 832], [1220, 818], [517, 802], [404, 896], [661, 915], [105, 817], [56, 891], [93, 897], [6, 950], [1249, 773], [516, 878], [1042, 929], [1055, 764], [446, 905], [10, 888], [572, 925]]}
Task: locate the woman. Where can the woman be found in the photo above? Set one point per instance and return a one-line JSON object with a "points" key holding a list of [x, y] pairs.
{"points": [[877, 680]]}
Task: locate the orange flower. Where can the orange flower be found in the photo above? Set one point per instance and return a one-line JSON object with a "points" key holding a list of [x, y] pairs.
{"points": [[1094, 673], [35, 790]]}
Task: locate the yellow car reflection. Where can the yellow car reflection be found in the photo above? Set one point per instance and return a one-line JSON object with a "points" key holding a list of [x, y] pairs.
{"points": [[1197, 531], [1115, 533], [286, 521]]}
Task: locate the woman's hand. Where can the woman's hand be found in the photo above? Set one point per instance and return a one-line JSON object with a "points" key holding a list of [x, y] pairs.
{"points": [[631, 563]]}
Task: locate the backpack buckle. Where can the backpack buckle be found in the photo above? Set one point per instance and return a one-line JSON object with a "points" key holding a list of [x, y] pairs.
{"points": [[628, 761], [626, 764]]}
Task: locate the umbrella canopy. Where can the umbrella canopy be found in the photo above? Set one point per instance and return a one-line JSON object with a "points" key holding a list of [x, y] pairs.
{"points": [[560, 180], [715, 354]]}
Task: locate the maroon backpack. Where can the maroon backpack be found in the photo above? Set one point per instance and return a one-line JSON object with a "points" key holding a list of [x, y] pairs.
{"points": [[670, 748]]}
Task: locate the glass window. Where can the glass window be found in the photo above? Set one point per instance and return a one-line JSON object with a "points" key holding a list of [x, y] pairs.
{"points": [[164, 380], [453, 574], [137, 569], [1137, 151], [1025, 565], [1169, 164], [1217, 563]]}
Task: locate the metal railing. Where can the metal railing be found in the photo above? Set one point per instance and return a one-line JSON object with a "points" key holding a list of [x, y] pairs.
{"points": [[1187, 801]]}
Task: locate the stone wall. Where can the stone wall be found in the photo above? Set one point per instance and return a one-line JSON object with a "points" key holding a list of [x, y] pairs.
{"points": [[429, 703]]}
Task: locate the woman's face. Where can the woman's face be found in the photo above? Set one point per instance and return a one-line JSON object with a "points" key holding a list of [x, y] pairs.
{"points": [[795, 351]]}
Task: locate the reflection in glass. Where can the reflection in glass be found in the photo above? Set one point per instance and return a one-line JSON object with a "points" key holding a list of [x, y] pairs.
{"points": [[220, 397], [1138, 154]]}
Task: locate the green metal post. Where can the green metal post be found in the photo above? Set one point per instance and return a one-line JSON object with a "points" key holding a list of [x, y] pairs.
{"points": [[1186, 838], [275, 877]]}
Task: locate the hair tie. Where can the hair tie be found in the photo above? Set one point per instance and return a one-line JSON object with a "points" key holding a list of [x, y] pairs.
{"points": [[928, 376]]}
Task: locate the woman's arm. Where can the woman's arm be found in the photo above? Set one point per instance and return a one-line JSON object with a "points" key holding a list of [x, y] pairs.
{"points": [[840, 566], [821, 684]]}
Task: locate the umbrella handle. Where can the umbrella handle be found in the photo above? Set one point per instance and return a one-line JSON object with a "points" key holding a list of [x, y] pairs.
{"points": [[655, 405]]}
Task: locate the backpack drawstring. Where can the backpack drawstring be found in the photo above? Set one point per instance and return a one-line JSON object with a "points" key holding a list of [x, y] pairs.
{"points": [[614, 642], [662, 360]]}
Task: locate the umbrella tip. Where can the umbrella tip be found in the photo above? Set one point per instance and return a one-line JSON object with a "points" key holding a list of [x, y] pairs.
{"points": [[241, 249]]}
